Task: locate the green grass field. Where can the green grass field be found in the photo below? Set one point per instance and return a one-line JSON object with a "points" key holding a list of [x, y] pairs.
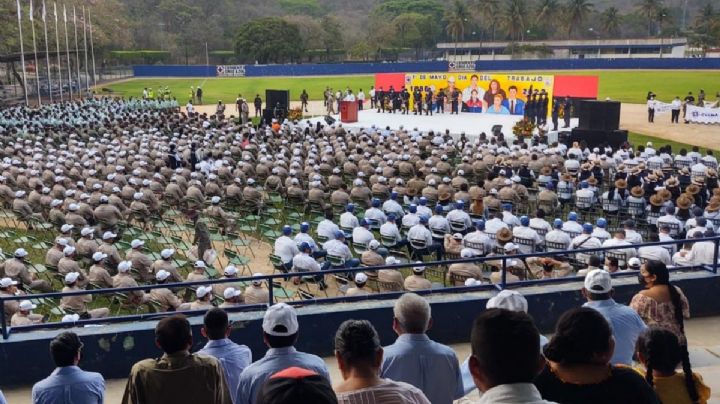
{"points": [[622, 85]]}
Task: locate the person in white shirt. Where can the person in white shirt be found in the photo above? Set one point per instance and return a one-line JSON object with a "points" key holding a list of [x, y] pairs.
{"points": [[702, 253], [599, 232], [496, 223], [675, 110], [336, 247], [585, 240], [508, 217], [655, 253], [350, 97], [540, 225], [619, 240], [571, 226], [374, 214], [478, 238], [362, 234], [695, 155], [304, 262], [671, 221], [348, 220], [664, 235], [392, 205], [304, 237], [525, 232], [190, 108], [651, 109], [631, 235], [286, 248], [439, 224], [372, 93], [389, 229], [412, 218], [459, 220], [421, 232], [326, 228], [584, 197], [422, 208], [361, 99], [710, 160], [557, 236]]}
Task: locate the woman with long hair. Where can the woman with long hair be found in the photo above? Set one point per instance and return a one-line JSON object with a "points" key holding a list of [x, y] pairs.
{"points": [[493, 89], [359, 357], [659, 350], [578, 366], [661, 303]]}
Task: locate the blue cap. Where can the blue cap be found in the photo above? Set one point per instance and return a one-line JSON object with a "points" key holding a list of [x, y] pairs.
{"points": [[601, 223], [412, 208], [459, 204], [572, 216], [558, 223], [423, 201], [524, 220], [587, 228], [350, 207], [304, 227], [375, 203], [287, 230], [549, 185], [480, 224], [423, 219], [363, 222], [438, 209], [391, 217], [393, 195], [304, 246], [339, 234], [584, 184], [507, 206]]}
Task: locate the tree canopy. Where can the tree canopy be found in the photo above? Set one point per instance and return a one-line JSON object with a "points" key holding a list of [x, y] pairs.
{"points": [[269, 39]]}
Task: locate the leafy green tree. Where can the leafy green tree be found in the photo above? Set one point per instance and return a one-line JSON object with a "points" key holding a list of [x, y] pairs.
{"points": [[332, 37], [649, 9], [490, 13], [576, 13], [269, 39], [300, 7], [610, 21], [513, 19], [456, 20], [392, 8]]}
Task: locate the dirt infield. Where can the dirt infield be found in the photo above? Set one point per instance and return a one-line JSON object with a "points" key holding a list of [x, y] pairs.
{"points": [[633, 117]]}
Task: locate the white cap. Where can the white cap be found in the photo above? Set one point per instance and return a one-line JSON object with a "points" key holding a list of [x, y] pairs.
{"points": [[66, 228], [137, 243], [374, 245], [509, 300], [73, 207], [70, 318], [99, 256], [167, 253], [19, 194], [215, 200], [108, 235], [20, 253], [634, 262], [7, 282], [202, 291], [162, 275], [598, 281], [391, 260], [360, 277], [200, 264], [510, 247], [124, 266], [69, 250], [86, 231], [230, 270], [420, 268], [26, 305], [467, 253], [231, 292], [72, 277], [280, 316], [472, 282]]}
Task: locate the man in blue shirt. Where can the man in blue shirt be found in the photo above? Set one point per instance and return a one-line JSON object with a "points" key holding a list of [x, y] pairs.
{"points": [[416, 359], [280, 332], [625, 322], [234, 358], [68, 383]]}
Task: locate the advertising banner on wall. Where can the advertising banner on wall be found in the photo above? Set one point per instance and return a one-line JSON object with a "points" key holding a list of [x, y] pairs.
{"points": [[490, 93], [231, 70]]}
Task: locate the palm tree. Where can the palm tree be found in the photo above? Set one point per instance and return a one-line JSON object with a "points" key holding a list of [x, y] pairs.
{"points": [[456, 18], [649, 9], [490, 11], [513, 19], [609, 21], [546, 12], [576, 12], [662, 15]]}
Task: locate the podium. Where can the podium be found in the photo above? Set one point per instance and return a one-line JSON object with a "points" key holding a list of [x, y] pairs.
{"points": [[348, 111]]}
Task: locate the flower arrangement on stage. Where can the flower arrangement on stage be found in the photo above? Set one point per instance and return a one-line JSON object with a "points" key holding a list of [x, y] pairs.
{"points": [[523, 129], [295, 114]]}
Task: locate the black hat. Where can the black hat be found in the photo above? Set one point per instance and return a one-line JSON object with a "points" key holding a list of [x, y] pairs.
{"points": [[296, 385]]}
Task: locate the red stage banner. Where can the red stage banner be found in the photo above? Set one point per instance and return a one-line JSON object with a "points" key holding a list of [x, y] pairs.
{"points": [[385, 80], [576, 86]]}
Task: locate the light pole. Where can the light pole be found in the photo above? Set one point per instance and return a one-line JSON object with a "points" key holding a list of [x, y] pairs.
{"points": [[597, 38]]}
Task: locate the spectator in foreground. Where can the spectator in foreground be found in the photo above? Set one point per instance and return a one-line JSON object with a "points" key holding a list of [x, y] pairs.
{"points": [[416, 359], [625, 322], [178, 376], [296, 386], [359, 355], [233, 357], [578, 366], [661, 303], [68, 384], [505, 357], [660, 352], [280, 332]]}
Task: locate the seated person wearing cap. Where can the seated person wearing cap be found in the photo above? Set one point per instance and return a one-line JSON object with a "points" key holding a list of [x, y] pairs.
{"points": [[286, 248], [389, 233], [516, 268], [256, 293], [166, 263], [8, 288], [304, 262], [87, 245], [165, 297], [362, 234], [371, 258], [280, 332], [16, 268], [99, 274], [348, 220], [549, 267], [295, 385], [508, 300], [360, 288], [585, 240], [69, 383], [25, 316], [416, 281], [375, 214], [140, 262], [478, 240], [327, 228], [391, 279], [230, 272], [215, 211], [78, 303], [108, 247], [524, 231], [336, 247], [55, 253], [453, 243], [304, 237], [199, 272], [233, 298], [626, 324], [234, 358], [124, 279], [460, 270], [68, 264], [203, 299], [420, 233], [359, 356], [178, 376]]}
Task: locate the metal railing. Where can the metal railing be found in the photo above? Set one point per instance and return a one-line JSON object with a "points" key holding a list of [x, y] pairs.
{"points": [[711, 267]]}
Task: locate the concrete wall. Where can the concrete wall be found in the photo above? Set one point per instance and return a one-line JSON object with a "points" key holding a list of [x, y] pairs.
{"points": [[112, 349]]}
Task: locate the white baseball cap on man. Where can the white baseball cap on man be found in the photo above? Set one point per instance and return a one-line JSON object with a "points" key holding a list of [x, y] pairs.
{"points": [[137, 243], [230, 270], [99, 256], [20, 253], [231, 292], [280, 320], [26, 305], [257, 282], [509, 300], [203, 291], [167, 253], [71, 277], [162, 275], [69, 250], [598, 281], [7, 282], [360, 277], [124, 266], [66, 228], [108, 235]]}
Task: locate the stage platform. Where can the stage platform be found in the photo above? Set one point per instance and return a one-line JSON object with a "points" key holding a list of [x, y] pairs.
{"points": [[471, 123]]}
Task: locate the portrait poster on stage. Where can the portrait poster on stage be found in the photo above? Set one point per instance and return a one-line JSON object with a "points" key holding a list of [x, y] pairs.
{"points": [[490, 93]]}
